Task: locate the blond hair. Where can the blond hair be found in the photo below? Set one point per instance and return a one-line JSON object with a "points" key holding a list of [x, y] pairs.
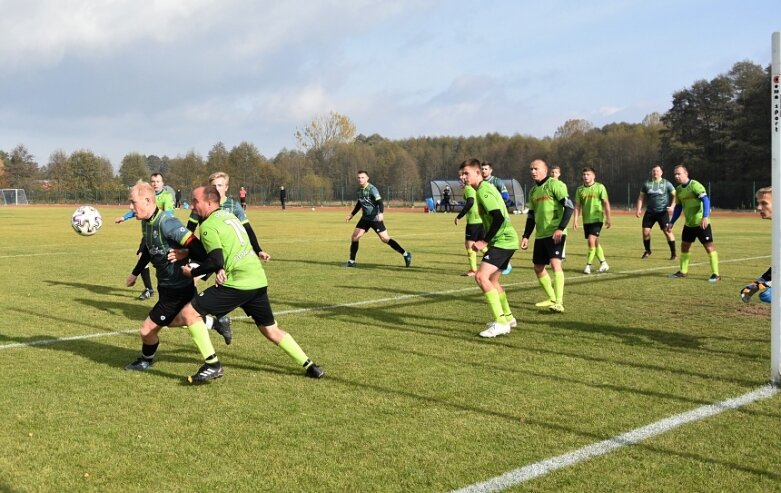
{"points": [[219, 174]]}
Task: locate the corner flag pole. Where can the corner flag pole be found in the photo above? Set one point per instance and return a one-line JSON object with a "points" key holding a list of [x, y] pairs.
{"points": [[775, 116]]}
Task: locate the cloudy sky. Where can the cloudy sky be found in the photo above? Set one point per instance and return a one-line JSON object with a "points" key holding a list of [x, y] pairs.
{"points": [[165, 76]]}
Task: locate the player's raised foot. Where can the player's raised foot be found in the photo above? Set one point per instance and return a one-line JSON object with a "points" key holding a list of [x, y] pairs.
{"points": [[349, 263], [673, 257], [714, 278], [603, 267], [495, 329], [407, 259], [587, 269], [223, 326], [140, 364], [207, 372], [645, 255], [146, 294], [314, 371], [507, 270], [545, 304], [556, 308], [469, 273], [678, 275]]}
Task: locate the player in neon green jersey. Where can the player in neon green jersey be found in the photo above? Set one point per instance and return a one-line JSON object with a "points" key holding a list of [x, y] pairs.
{"points": [[692, 199], [162, 232], [241, 281], [474, 226], [372, 216], [221, 180], [591, 200], [502, 241], [550, 210]]}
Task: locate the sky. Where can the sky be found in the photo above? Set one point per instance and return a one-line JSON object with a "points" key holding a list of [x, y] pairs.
{"points": [[168, 77]]}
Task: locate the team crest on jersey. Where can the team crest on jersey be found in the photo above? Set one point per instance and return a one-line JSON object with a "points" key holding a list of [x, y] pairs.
{"points": [[154, 233]]}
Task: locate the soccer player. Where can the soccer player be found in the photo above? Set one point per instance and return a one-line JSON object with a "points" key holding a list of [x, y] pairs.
{"points": [[591, 200], [165, 202], [555, 173], [160, 233], [658, 195], [370, 202], [500, 238], [692, 199], [474, 225], [241, 282], [220, 180], [763, 284], [550, 210], [487, 171]]}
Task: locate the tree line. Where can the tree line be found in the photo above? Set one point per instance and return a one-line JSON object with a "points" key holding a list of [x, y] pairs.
{"points": [[720, 129]]}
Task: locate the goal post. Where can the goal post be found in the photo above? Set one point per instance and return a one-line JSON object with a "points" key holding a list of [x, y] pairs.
{"points": [[775, 116], [13, 196]]}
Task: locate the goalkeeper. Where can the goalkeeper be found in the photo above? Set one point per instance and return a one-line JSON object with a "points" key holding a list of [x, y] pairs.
{"points": [[761, 285]]}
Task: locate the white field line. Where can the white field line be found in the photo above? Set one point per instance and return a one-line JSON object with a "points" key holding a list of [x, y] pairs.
{"points": [[389, 299], [544, 467]]}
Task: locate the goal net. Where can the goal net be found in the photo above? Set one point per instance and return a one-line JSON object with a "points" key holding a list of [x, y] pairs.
{"points": [[13, 196]]}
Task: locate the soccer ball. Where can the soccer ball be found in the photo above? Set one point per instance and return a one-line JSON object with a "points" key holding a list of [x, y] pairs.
{"points": [[86, 220]]}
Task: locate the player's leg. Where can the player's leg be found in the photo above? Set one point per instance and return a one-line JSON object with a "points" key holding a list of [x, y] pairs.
{"points": [[687, 237], [591, 243], [149, 343], [713, 256], [259, 308], [663, 221], [540, 258], [358, 232], [210, 301], [647, 223], [487, 278], [385, 237]]}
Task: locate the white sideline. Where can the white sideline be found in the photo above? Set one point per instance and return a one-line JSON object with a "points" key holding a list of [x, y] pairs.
{"points": [[532, 471], [294, 311]]}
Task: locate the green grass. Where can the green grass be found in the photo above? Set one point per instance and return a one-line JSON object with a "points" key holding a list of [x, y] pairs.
{"points": [[413, 400]]}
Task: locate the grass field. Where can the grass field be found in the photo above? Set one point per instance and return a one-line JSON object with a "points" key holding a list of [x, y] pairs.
{"points": [[412, 400]]}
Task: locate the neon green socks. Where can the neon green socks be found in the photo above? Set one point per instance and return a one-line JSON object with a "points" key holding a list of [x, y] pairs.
{"points": [[494, 303], [590, 258], [547, 285], [685, 262], [558, 286], [714, 262], [508, 314], [472, 259], [291, 347], [201, 339]]}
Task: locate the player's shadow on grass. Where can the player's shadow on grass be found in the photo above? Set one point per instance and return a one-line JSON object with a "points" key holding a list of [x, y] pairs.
{"points": [[134, 311], [102, 289], [109, 355]]}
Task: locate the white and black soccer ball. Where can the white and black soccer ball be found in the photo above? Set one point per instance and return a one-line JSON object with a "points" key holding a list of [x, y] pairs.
{"points": [[86, 220]]}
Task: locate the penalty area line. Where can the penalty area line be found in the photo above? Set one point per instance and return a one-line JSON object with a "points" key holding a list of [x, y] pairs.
{"points": [[638, 435]]}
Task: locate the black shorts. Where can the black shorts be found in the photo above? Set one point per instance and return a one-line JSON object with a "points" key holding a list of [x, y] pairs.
{"points": [[498, 257], [219, 300], [592, 229], [170, 303], [545, 250], [662, 218], [474, 232], [691, 233], [367, 224]]}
